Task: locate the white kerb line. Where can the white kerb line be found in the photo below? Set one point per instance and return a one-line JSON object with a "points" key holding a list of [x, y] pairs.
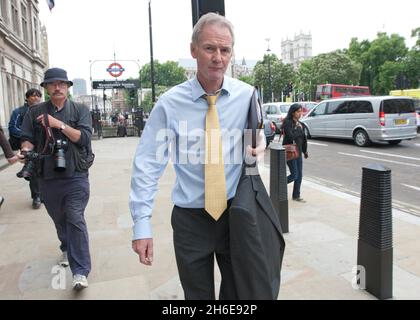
{"points": [[378, 159], [318, 144], [411, 187], [390, 155]]}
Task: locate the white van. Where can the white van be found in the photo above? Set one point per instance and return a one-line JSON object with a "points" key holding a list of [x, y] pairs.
{"points": [[363, 119]]}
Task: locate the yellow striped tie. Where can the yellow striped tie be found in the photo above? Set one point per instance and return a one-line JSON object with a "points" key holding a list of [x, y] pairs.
{"points": [[214, 170]]}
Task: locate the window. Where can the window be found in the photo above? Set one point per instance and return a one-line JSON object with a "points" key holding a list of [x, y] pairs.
{"points": [[4, 11], [360, 107], [337, 107], [15, 17], [36, 34], [398, 106], [273, 109], [24, 14], [320, 109], [284, 109], [342, 108]]}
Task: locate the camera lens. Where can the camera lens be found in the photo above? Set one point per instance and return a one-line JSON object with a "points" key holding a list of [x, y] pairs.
{"points": [[60, 160]]}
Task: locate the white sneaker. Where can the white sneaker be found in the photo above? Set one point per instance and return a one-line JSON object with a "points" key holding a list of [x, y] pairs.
{"points": [[63, 261], [79, 282]]}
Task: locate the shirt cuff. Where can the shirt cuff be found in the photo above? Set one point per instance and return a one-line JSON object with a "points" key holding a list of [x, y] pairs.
{"points": [[142, 229]]}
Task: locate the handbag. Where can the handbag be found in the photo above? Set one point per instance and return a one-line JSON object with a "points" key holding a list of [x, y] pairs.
{"points": [[83, 157], [292, 151]]}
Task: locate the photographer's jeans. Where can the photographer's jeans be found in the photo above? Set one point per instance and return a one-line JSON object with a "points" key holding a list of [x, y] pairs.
{"points": [[66, 200]]}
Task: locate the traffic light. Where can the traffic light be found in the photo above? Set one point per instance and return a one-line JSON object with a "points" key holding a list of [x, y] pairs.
{"points": [[132, 95], [201, 7], [290, 87]]}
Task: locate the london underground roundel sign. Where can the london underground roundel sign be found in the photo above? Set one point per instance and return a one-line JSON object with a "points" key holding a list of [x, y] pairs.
{"points": [[115, 69]]}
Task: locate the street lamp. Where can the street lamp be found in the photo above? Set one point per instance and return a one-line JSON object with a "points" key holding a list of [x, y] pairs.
{"points": [[269, 68], [152, 69]]}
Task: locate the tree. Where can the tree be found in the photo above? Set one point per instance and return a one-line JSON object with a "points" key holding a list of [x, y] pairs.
{"points": [[333, 67], [147, 103], [247, 79], [167, 74], [373, 56], [412, 61], [281, 75]]}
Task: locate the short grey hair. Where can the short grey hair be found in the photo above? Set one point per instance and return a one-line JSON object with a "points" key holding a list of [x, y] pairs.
{"points": [[211, 18]]}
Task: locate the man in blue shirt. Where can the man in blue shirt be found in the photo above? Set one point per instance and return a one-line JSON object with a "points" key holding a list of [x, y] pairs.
{"points": [[176, 130], [33, 97]]}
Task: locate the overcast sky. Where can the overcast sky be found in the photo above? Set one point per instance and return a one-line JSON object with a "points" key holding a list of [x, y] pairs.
{"points": [[80, 31]]}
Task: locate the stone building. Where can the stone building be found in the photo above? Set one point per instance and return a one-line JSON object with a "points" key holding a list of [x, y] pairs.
{"points": [[22, 55], [298, 50]]}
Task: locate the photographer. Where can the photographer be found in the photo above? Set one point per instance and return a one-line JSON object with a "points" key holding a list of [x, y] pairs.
{"points": [[51, 131]]}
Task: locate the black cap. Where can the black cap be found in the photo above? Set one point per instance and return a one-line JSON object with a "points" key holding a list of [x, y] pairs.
{"points": [[55, 74]]}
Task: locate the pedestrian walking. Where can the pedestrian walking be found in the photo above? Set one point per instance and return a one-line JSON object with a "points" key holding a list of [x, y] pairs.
{"points": [[57, 130], [32, 97], [293, 133], [209, 105]]}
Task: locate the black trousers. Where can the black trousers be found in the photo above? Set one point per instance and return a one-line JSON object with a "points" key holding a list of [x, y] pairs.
{"points": [[198, 239], [34, 186], [66, 200]]}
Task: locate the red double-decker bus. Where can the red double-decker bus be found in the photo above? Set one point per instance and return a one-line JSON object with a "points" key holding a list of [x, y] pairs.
{"points": [[330, 91]]}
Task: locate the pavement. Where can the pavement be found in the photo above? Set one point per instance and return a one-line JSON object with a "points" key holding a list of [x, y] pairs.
{"points": [[321, 246]]}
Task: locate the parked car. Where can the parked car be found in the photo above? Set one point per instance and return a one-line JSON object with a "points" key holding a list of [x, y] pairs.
{"points": [[269, 130], [363, 119], [276, 112], [307, 106]]}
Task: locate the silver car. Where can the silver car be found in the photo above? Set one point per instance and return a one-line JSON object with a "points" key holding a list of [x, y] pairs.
{"points": [[276, 112], [363, 119]]}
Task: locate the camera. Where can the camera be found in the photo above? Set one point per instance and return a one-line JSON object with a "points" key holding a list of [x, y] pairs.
{"points": [[29, 168], [59, 155]]}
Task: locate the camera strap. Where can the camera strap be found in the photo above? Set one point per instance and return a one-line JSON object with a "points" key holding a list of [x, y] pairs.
{"points": [[49, 141]]}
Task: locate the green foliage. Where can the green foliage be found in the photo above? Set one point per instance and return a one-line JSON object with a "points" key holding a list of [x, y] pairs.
{"points": [[382, 59], [247, 79], [333, 67], [167, 74], [281, 75], [147, 103]]}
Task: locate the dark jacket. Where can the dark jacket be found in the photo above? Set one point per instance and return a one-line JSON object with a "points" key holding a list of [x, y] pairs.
{"points": [[294, 134], [75, 115], [256, 241], [16, 120], [255, 235]]}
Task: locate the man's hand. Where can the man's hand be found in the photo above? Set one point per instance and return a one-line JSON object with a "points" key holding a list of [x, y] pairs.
{"points": [[306, 155], [260, 148], [144, 248], [54, 123], [13, 159], [26, 146]]}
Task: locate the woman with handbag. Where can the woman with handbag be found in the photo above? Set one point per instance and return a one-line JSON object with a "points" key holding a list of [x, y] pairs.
{"points": [[295, 143]]}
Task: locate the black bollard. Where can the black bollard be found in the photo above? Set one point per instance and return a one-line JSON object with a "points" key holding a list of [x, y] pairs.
{"points": [[278, 184], [374, 252]]}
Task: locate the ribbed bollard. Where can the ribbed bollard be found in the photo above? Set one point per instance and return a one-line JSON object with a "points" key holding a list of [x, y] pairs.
{"points": [[374, 252], [278, 184]]}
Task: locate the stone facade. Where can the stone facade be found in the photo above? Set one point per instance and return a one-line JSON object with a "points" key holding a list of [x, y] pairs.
{"points": [[22, 56], [298, 50]]}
